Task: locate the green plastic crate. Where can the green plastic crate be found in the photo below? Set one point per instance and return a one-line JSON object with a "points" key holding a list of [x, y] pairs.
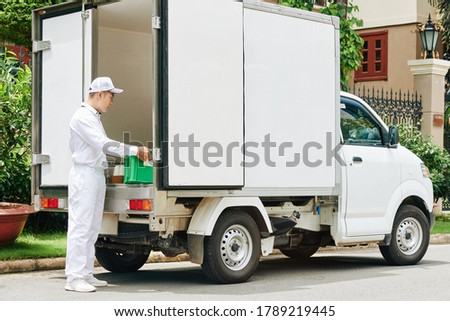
{"points": [[135, 172]]}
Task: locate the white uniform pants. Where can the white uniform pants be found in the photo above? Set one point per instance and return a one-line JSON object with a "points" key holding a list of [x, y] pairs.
{"points": [[86, 200]]}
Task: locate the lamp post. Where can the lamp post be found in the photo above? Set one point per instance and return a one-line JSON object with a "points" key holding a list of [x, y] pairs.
{"points": [[429, 34]]}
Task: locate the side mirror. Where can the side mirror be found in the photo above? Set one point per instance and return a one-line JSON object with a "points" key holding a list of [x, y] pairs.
{"points": [[393, 137]]}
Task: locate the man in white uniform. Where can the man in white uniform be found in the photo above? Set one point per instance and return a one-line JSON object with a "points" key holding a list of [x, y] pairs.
{"points": [[89, 146]]}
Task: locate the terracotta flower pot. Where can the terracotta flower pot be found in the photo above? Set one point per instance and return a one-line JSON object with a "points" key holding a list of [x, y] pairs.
{"points": [[13, 217]]}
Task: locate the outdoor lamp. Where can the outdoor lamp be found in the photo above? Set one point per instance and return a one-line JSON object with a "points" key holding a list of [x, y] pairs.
{"points": [[429, 34]]}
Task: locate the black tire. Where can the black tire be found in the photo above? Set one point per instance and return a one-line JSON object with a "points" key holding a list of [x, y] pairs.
{"points": [[232, 252], [119, 262], [300, 253], [410, 237]]}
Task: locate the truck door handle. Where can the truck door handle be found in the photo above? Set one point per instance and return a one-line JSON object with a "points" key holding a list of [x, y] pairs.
{"points": [[357, 159]]}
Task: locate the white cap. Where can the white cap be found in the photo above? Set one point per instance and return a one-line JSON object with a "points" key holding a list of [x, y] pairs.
{"points": [[104, 84]]}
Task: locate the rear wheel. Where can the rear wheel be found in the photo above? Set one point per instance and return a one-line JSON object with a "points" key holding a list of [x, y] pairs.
{"points": [[117, 261], [410, 237], [232, 252], [300, 253]]}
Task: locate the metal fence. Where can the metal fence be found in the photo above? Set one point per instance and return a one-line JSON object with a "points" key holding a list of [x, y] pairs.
{"points": [[393, 107]]}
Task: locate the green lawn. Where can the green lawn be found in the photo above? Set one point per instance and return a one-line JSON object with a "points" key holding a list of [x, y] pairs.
{"points": [[32, 246], [441, 227]]}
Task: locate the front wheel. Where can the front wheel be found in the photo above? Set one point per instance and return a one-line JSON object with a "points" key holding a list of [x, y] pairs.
{"points": [[232, 251], [410, 237]]}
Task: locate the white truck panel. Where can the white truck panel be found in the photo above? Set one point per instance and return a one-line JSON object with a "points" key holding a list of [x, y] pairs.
{"points": [[205, 92], [62, 89], [286, 92], [367, 203]]}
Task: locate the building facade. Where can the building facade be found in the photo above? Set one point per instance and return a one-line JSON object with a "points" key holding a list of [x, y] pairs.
{"points": [[391, 39]]}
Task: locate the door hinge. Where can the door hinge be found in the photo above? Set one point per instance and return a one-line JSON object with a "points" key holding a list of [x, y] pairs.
{"points": [[156, 154], [85, 15], [156, 22], [38, 159], [41, 45]]}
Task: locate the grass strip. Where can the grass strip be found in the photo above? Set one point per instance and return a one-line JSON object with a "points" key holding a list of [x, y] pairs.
{"points": [[35, 246], [441, 227]]}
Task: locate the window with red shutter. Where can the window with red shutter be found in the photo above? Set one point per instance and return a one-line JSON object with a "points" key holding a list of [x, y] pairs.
{"points": [[374, 62]]}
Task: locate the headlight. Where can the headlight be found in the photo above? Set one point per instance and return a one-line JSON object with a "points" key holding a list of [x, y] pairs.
{"points": [[425, 170]]}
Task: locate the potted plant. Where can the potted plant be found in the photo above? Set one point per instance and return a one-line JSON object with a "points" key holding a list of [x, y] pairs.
{"points": [[13, 217]]}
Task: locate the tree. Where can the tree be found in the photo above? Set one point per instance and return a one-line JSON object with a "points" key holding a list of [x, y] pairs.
{"points": [[350, 42], [443, 7], [15, 20]]}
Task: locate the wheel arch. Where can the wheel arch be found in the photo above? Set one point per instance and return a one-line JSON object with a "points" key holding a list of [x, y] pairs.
{"points": [[419, 203], [419, 195], [422, 205], [209, 211]]}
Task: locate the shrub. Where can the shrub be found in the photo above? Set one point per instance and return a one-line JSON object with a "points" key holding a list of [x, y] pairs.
{"points": [[15, 130], [436, 158]]}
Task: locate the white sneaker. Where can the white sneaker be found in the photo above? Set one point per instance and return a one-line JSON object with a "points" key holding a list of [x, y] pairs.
{"points": [[92, 280], [79, 285]]}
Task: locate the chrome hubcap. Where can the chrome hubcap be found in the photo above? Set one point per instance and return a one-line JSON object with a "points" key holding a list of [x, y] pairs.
{"points": [[409, 236], [236, 247]]}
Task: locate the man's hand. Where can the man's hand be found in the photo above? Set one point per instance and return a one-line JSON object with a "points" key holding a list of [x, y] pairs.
{"points": [[144, 154]]}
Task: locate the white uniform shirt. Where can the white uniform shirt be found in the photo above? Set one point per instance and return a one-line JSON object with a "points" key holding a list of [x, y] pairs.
{"points": [[88, 141]]}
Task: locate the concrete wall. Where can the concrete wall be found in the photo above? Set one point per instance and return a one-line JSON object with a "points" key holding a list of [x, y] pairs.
{"points": [[403, 45], [390, 13], [400, 18]]}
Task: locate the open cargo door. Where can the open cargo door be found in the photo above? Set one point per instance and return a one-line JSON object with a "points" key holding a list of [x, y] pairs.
{"points": [[201, 103], [63, 68]]}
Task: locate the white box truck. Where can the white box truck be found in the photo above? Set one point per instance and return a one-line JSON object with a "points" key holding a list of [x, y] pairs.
{"points": [[254, 146]]}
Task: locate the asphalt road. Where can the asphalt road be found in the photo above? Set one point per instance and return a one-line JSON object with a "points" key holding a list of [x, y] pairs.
{"points": [[345, 275]]}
